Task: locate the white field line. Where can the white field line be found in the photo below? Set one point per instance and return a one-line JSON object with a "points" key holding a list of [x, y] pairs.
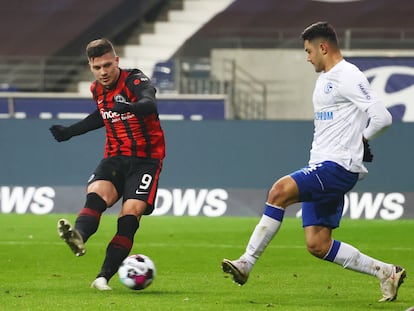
{"points": [[180, 245], [171, 245]]}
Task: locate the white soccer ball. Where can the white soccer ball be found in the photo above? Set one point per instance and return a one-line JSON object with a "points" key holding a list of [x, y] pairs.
{"points": [[137, 272]]}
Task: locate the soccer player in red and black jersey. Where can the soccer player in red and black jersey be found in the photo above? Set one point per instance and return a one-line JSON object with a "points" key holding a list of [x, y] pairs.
{"points": [[132, 162]]}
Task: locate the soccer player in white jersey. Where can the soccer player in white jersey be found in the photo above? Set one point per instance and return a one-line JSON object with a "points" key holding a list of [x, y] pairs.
{"points": [[343, 103]]}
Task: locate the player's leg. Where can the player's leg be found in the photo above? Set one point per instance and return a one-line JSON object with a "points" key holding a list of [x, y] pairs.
{"points": [[324, 212], [283, 193], [102, 192], [138, 199], [300, 186], [122, 242], [88, 219], [320, 244]]}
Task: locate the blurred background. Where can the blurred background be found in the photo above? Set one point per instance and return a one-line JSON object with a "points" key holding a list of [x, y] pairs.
{"points": [[249, 51], [215, 61]]}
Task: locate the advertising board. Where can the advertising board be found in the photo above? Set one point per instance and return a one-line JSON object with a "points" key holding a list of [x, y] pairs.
{"points": [[215, 202]]}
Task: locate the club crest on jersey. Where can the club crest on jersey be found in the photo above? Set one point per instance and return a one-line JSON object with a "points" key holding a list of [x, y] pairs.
{"points": [[120, 98], [328, 87]]}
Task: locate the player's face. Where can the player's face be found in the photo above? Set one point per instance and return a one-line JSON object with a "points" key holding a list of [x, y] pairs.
{"points": [[105, 69], [315, 55]]}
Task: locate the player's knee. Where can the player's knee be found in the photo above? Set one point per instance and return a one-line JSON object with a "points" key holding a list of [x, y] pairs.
{"points": [[134, 207], [105, 190], [278, 195], [95, 202]]}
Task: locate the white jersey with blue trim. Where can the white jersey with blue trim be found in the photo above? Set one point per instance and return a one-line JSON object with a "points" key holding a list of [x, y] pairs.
{"points": [[341, 98]]}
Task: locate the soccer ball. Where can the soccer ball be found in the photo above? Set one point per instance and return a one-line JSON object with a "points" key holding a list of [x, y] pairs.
{"points": [[137, 272]]}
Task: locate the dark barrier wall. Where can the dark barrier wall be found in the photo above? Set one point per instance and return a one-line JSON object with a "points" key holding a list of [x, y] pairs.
{"points": [[242, 154], [215, 167]]}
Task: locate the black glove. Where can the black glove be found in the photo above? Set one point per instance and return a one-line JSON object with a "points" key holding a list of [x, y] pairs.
{"points": [[368, 156], [61, 133], [122, 107]]}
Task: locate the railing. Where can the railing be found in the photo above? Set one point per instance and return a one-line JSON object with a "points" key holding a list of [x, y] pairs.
{"points": [[248, 95], [39, 74], [365, 38], [349, 38]]}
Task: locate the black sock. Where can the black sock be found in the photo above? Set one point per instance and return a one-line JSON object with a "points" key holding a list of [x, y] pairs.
{"points": [[89, 216], [120, 246]]}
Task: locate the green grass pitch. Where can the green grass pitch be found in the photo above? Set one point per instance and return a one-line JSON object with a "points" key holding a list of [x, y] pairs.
{"points": [[38, 271]]}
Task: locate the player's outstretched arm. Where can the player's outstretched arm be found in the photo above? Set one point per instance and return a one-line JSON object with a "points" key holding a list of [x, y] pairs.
{"points": [[64, 133], [380, 119]]}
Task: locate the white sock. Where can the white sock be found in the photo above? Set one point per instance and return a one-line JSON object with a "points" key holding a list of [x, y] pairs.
{"points": [[351, 258], [264, 232]]}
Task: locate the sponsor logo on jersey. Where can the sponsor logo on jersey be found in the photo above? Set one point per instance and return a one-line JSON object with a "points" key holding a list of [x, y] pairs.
{"points": [[114, 116], [364, 91], [324, 115], [109, 114]]}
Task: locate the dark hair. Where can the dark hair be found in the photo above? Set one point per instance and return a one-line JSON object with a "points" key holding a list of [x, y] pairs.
{"points": [[320, 30], [99, 47]]}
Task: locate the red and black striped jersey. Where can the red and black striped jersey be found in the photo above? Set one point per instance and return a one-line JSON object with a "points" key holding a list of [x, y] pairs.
{"points": [[128, 133]]}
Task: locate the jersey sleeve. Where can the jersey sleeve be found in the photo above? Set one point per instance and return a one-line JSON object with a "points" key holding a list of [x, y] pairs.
{"points": [[92, 122], [379, 120], [140, 85], [357, 89]]}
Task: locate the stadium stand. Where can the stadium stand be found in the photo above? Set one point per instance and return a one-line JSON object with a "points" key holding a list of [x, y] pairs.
{"points": [[45, 50], [166, 35], [45, 28], [254, 32], [44, 41], [366, 24], [170, 34]]}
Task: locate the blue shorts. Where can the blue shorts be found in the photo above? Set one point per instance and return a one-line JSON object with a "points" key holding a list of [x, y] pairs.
{"points": [[322, 188]]}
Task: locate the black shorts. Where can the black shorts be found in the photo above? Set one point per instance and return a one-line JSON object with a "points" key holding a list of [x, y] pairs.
{"points": [[133, 177]]}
